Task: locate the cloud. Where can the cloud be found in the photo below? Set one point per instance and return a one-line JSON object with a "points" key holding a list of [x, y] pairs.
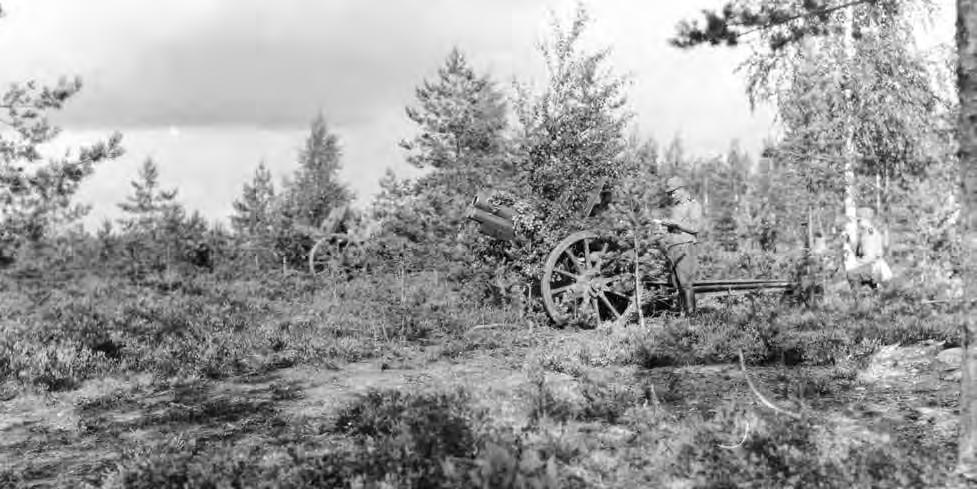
{"points": [[266, 63], [275, 64], [239, 80]]}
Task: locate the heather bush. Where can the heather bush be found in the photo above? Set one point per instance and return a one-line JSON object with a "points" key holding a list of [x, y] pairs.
{"points": [[58, 365], [59, 335], [398, 439], [780, 452], [766, 330], [745, 263]]}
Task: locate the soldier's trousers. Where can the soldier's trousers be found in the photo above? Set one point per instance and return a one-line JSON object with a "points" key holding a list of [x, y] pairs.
{"points": [[682, 263]]}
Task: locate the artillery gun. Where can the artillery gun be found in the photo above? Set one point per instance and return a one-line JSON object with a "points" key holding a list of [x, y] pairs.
{"points": [[581, 277], [339, 241]]}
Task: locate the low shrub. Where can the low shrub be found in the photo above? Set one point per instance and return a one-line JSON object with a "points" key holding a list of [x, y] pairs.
{"points": [[605, 402], [545, 404], [780, 452], [207, 327], [774, 333], [436, 424], [56, 366], [396, 439]]}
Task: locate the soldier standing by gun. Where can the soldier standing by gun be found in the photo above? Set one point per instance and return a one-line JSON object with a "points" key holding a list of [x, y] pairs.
{"points": [[682, 224]]}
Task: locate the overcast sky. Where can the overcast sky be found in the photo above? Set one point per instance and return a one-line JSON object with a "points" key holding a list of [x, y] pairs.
{"points": [[209, 88]]}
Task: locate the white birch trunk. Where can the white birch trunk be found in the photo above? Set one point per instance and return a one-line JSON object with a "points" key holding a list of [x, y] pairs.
{"points": [[850, 229]]}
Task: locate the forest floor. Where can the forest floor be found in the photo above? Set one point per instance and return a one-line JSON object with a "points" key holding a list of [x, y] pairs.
{"points": [[58, 439]]}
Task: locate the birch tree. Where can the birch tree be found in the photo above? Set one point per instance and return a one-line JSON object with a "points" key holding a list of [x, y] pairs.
{"points": [[792, 21]]}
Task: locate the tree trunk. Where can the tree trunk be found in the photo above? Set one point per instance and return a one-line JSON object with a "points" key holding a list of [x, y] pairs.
{"points": [[878, 194], [967, 136], [705, 196], [886, 209], [850, 228]]}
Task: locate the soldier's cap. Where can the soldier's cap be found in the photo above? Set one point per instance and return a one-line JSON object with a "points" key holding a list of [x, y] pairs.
{"points": [[674, 183], [865, 213]]}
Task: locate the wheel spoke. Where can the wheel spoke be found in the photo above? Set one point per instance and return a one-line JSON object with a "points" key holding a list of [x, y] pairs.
{"points": [[560, 290], [619, 278], [573, 260], [600, 262], [566, 274], [610, 306], [586, 252], [625, 296], [593, 304]]}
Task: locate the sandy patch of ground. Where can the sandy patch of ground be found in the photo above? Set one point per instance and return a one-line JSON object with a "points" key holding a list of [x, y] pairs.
{"points": [[61, 438]]}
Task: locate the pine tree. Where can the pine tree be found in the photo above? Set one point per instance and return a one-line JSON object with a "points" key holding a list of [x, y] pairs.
{"points": [[316, 189], [309, 196], [728, 188], [252, 212], [395, 195], [151, 228], [36, 192], [461, 119], [675, 159], [149, 206]]}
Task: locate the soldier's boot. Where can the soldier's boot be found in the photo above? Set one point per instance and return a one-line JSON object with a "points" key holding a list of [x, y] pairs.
{"points": [[687, 301]]}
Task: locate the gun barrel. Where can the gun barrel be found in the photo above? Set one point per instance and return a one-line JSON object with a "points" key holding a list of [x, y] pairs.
{"points": [[481, 201], [492, 225]]}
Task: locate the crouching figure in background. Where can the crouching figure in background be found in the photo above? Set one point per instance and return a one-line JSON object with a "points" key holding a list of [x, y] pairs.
{"points": [[869, 268]]}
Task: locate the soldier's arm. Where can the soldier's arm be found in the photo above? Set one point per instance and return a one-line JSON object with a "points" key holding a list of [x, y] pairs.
{"points": [[682, 225], [671, 220], [688, 221]]}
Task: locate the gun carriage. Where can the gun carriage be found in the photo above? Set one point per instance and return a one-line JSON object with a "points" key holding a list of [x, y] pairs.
{"points": [[580, 276], [338, 242]]}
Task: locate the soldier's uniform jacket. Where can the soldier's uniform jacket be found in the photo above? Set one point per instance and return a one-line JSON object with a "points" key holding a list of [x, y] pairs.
{"points": [[688, 214], [870, 246]]}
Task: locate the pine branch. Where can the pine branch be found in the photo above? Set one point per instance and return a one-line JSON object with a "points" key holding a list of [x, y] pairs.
{"points": [[721, 28], [809, 13]]}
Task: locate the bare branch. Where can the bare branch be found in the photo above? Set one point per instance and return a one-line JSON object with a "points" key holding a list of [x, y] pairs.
{"points": [[746, 434], [761, 397], [485, 326]]}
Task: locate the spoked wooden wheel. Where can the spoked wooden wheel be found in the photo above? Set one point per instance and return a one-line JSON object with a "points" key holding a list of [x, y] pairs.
{"points": [[582, 281], [329, 253]]}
